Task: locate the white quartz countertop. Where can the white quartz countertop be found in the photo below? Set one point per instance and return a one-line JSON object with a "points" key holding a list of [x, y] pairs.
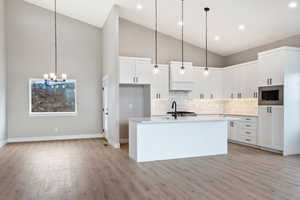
{"points": [[168, 119]]}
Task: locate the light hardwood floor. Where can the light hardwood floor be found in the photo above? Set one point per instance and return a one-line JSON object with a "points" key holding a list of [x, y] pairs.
{"points": [[86, 169]]}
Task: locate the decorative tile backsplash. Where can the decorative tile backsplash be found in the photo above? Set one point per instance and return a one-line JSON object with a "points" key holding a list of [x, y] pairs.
{"points": [[232, 106]]}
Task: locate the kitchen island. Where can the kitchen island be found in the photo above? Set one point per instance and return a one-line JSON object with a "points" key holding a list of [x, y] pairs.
{"points": [[164, 138]]}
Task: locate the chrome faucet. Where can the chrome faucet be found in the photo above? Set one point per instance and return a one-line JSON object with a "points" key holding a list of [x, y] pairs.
{"points": [[174, 106]]}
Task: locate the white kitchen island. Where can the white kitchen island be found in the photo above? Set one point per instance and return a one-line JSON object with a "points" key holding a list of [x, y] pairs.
{"points": [[163, 138]]}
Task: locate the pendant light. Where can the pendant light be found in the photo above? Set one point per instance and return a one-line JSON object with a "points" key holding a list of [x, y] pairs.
{"points": [[156, 69], [206, 72], [182, 68], [53, 76]]}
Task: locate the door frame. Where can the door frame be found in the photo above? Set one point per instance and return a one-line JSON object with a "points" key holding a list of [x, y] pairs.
{"points": [[105, 101]]}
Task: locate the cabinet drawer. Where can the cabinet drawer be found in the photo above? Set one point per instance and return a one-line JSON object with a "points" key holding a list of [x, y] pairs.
{"points": [[248, 140], [249, 133], [246, 125], [250, 119]]}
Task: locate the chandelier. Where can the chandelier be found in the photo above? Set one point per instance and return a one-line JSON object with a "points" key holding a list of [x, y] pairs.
{"points": [[54, 76]]}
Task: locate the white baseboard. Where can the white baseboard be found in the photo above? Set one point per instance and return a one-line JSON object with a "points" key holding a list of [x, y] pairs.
{"points": [[2, 143], [124, 140], [53, 138], [113, 143]]}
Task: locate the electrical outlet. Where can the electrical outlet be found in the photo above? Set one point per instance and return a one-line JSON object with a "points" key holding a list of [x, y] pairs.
{"points": [[55, 130]]}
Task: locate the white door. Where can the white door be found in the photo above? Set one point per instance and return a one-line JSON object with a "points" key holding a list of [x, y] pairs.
{"points": [[127, 71], [105, 105], [143, 72], [265, 135], [277, 127]]}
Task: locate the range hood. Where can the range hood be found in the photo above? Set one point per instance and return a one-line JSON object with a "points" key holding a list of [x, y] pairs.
{"points": [[179, 81]]}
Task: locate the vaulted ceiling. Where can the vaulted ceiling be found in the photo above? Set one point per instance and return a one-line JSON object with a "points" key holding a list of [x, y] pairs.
{"points": [[265, 21]]}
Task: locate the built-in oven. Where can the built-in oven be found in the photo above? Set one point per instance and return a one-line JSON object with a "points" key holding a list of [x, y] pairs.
{"points": [[270, 95]]}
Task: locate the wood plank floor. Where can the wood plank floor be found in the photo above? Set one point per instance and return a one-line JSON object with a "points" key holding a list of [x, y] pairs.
{"points": [[86, 169]]}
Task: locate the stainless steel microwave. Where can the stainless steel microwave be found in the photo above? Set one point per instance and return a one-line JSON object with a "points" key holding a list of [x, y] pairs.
{"points": [[270, 95]]}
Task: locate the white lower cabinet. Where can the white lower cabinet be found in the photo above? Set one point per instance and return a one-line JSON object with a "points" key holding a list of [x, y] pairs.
{"points": [[271, 127], [244, 130]]}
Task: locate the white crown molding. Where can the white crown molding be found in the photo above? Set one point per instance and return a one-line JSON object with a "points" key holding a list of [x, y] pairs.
{"points": [[53, 138], [285, 48]]}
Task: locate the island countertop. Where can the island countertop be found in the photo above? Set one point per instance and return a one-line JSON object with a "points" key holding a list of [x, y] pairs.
{"points": [[169, 119]]}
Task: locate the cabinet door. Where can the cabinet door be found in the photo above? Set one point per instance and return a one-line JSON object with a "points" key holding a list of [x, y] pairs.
{"points": [[233, 130], [252, 73], [215, 83], [236, 79], [127, 71], [228, 83], [198, 80], [265, 135], [264, 69], [160, 83], [249, 80], [270, 67], [277, 127], [277, 73], [143, 72]]}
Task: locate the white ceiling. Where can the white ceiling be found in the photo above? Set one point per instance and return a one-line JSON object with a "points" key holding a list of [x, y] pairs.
{"points": [[266, 21]]}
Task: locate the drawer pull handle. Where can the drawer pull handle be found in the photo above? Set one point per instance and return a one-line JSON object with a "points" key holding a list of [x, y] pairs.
{"points": [[248, 119], [248, 125], [249, 133], [248, 140]]}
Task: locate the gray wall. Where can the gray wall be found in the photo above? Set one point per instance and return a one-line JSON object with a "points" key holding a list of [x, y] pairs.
{"points": [[133, 103], [138, 41], [110, 64], [251, 54], [30, 54], [2, 76]]}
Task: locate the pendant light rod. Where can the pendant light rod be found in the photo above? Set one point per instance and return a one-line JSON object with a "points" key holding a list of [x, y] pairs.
{"points": [[182, 31], [54, 76], [55, 29], [206, 38]]}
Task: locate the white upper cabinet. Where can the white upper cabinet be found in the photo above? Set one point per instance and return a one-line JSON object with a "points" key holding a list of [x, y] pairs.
{"points": [[228, 83], [200, 87], [127, 70], [135, 70], [251, 77], [181, 81], [160, 83], [270, 67], [208, 86], [215, 83], [240, 81], [143, 72]]}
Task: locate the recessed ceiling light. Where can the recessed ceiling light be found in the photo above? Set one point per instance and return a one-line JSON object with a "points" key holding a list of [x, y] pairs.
{"points": [[293, 4], [242, 27], [139, 6], [217, 38]]}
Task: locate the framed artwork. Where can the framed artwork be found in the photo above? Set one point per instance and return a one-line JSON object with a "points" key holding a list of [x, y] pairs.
{"points": [[52, 98]]}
